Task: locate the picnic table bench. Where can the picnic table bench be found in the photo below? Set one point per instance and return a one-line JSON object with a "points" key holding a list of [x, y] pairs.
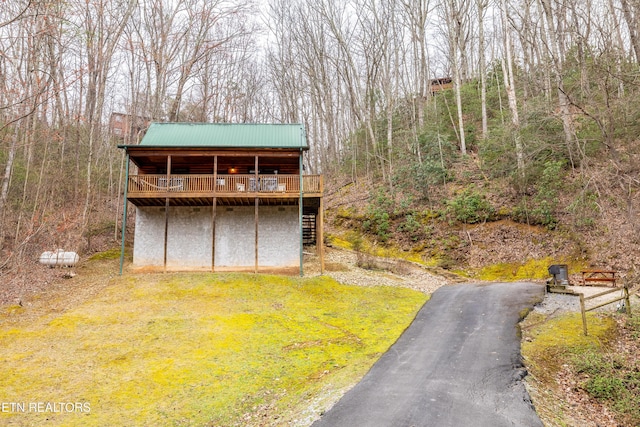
{"points": [[597, 276]]}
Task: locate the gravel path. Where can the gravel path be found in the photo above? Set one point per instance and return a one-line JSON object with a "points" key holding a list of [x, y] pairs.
{"points": [[341, 265], [561, 303]]}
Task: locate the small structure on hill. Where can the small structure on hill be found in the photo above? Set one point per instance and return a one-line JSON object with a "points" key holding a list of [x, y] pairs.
{"points": [[223, 197]]}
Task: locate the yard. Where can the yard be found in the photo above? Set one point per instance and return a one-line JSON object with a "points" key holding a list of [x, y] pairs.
{"points": [[191, 349]]}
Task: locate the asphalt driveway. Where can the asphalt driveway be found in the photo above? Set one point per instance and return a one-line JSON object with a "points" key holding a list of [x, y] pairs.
{"points": [[458, 364]]}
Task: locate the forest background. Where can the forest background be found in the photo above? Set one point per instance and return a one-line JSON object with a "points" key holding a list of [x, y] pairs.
{"points": [[463, 133]]}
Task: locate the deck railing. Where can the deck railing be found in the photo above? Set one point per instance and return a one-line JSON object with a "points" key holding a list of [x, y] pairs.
{"points": [[160, 185]]}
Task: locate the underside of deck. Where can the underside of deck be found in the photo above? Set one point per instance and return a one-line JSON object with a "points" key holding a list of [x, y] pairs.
{"points": [[247, 200]]}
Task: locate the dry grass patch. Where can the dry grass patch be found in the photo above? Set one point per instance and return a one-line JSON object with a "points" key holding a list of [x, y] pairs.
{"points": [[198, 349]]}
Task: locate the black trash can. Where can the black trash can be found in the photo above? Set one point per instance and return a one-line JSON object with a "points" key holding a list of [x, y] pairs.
{"points": [[560, 274]]}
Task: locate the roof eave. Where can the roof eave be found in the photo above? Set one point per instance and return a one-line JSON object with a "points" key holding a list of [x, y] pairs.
{"points": [[207, 147]]}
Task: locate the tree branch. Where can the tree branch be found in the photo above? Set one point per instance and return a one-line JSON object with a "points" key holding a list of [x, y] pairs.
{"points": [[18, 16]]}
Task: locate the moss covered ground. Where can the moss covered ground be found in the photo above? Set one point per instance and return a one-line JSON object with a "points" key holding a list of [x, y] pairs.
{"points": [[354, 241], [564, 335], [556, 351], [527, 270], [195, 349]]}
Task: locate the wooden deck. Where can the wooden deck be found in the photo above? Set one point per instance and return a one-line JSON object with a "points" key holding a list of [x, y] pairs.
{"points": [[199, 189]]}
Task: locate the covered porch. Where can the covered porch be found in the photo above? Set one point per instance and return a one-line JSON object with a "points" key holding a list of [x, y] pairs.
{"points": [[239, 193]]}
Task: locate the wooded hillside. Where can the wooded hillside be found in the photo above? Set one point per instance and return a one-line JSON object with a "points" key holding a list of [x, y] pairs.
{"points": [[440, 113]]}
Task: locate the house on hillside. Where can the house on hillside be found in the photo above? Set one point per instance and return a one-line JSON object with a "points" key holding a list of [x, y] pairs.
{"points": [[222, 197], [126, 126], [440, 84]]}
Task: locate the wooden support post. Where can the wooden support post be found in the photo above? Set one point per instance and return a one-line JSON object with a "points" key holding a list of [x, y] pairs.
{"points": [[213, 214], [320, 234], [256, 176], [300, 213], [213, 233], [124, 213], [583, 309], [584, 314], [256, 226], [256, 202], [627, 300], [215, 175], [166, 213]]}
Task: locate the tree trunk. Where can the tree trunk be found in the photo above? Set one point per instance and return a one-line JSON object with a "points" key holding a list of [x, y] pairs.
{"points": [[633, 28], [454, 23], [457, 88], [102, 47], [482, 4], [563, 100], [8, 170], [509, 83]]}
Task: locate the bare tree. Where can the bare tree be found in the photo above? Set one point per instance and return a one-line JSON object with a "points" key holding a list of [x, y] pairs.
{"points": [[104, 23], [509, 83], [482, 7], [554, 41], [200, 39], [631, 18], [455, 17], [414, 15], [25, 83]]}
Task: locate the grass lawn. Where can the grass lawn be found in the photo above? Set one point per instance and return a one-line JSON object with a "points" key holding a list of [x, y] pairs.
{"points": [[195, 349]]}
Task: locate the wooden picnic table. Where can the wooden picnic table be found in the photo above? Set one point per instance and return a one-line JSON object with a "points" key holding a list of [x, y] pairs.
{"points": [[598, 276]]}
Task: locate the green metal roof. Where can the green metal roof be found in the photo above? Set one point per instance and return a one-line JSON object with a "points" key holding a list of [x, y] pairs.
{"points": [[225, 135]]}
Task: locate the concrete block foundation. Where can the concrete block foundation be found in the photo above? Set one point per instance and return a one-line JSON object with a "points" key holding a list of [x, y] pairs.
{"points": [[190, 238]]}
